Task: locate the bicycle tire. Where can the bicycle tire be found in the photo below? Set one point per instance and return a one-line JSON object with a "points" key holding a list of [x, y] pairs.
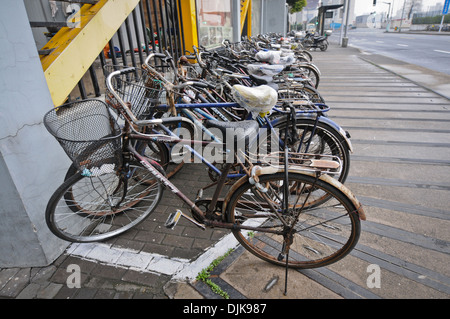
{"points": [[311, 73], [95, 208], [323, 234], [313, 94]]}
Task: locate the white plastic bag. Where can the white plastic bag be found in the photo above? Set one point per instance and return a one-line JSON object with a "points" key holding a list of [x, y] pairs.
{"points": [[256, 100], [272, 57], [287, 60], [265, 69]]}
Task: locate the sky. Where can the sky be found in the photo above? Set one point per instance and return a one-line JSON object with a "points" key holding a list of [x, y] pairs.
{"points": [[366, 6]]}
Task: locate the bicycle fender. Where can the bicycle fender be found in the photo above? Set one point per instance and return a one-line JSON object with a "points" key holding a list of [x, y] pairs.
{"points": [[269, 170], [233, 188], [309, 64], [339, 129]]}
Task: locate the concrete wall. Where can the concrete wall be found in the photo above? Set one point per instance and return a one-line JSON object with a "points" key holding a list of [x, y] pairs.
{"points": [[32, 164]]}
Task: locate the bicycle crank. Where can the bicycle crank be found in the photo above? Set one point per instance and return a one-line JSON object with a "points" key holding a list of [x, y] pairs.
{"points": [[212, 213]]}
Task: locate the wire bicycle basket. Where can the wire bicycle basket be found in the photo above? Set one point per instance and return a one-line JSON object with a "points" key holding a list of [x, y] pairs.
{"points": [[89, 134], [136, 87]]}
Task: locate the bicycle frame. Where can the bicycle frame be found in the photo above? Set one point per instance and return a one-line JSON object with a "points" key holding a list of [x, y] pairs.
{"points": [[199, 215]]}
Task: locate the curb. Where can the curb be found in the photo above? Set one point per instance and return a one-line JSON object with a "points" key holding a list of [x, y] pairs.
{"points": [[197, 289]]}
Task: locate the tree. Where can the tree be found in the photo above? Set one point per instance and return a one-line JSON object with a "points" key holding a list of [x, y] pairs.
{"points": [[296, 5]]}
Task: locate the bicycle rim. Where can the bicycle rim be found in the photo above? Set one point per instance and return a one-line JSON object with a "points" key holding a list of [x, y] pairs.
{"points": [[95, 208], [322, 234]]}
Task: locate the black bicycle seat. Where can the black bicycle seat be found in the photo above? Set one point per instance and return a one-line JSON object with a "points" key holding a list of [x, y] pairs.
{"points": [[264, 80], [240, 130], [261, 79]]}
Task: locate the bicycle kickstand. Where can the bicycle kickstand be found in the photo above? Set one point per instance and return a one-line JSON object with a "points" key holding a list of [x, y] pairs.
{"points": [[285, 254], [286, 273]]}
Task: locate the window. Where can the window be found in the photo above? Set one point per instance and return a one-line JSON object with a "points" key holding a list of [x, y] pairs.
{"points": [[214, 22]]}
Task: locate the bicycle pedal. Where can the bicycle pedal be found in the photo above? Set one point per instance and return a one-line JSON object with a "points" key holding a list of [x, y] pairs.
{"points": [[199, 194], [173, 219]]}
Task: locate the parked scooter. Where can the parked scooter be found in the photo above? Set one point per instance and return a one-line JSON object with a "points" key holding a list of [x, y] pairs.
{"points": [[311, 40]]}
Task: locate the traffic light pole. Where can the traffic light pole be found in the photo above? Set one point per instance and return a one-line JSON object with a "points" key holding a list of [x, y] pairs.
{"points": [[444, 12], [347, 13]]}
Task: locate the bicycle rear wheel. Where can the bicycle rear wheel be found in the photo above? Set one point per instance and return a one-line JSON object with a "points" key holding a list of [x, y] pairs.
{"points": [[321, 235], [95, 208]]}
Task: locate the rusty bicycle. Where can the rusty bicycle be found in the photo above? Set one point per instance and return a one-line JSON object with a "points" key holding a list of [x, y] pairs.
{"points": [[274, 207]]}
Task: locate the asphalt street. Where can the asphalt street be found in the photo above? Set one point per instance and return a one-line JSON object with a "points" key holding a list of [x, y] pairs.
{"points": [[431, 51]]}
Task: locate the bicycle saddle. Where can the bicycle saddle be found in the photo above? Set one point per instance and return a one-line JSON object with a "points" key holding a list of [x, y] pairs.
{"points": [[257, 100], [272, 57], [261, 80]]}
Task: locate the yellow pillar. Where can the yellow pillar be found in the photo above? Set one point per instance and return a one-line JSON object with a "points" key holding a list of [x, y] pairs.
{"points": [[246, 16], [189, 26], [249, 19]]}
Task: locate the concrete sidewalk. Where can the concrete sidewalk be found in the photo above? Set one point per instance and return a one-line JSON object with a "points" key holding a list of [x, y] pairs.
{"points": [[398, 117]]}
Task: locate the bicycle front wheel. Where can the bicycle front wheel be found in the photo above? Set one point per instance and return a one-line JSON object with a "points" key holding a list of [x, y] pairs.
{"points": [[95, 208], [319, 235]]}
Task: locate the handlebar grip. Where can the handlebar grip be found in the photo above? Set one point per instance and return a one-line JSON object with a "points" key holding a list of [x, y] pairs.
{"points": [[193, 83], [159, 55], [174, 119], [127, 70], [200, 84]]}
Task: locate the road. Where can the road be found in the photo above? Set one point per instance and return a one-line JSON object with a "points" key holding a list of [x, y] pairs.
{"points": [[429, 51]]}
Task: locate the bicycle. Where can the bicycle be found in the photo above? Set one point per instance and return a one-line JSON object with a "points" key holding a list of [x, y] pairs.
{"points": [[312, 132], [271, 209]]}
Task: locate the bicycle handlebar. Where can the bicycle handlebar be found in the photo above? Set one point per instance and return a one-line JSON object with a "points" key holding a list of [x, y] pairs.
{"points": [[126, 70], [122, 103], [154, 54]]}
